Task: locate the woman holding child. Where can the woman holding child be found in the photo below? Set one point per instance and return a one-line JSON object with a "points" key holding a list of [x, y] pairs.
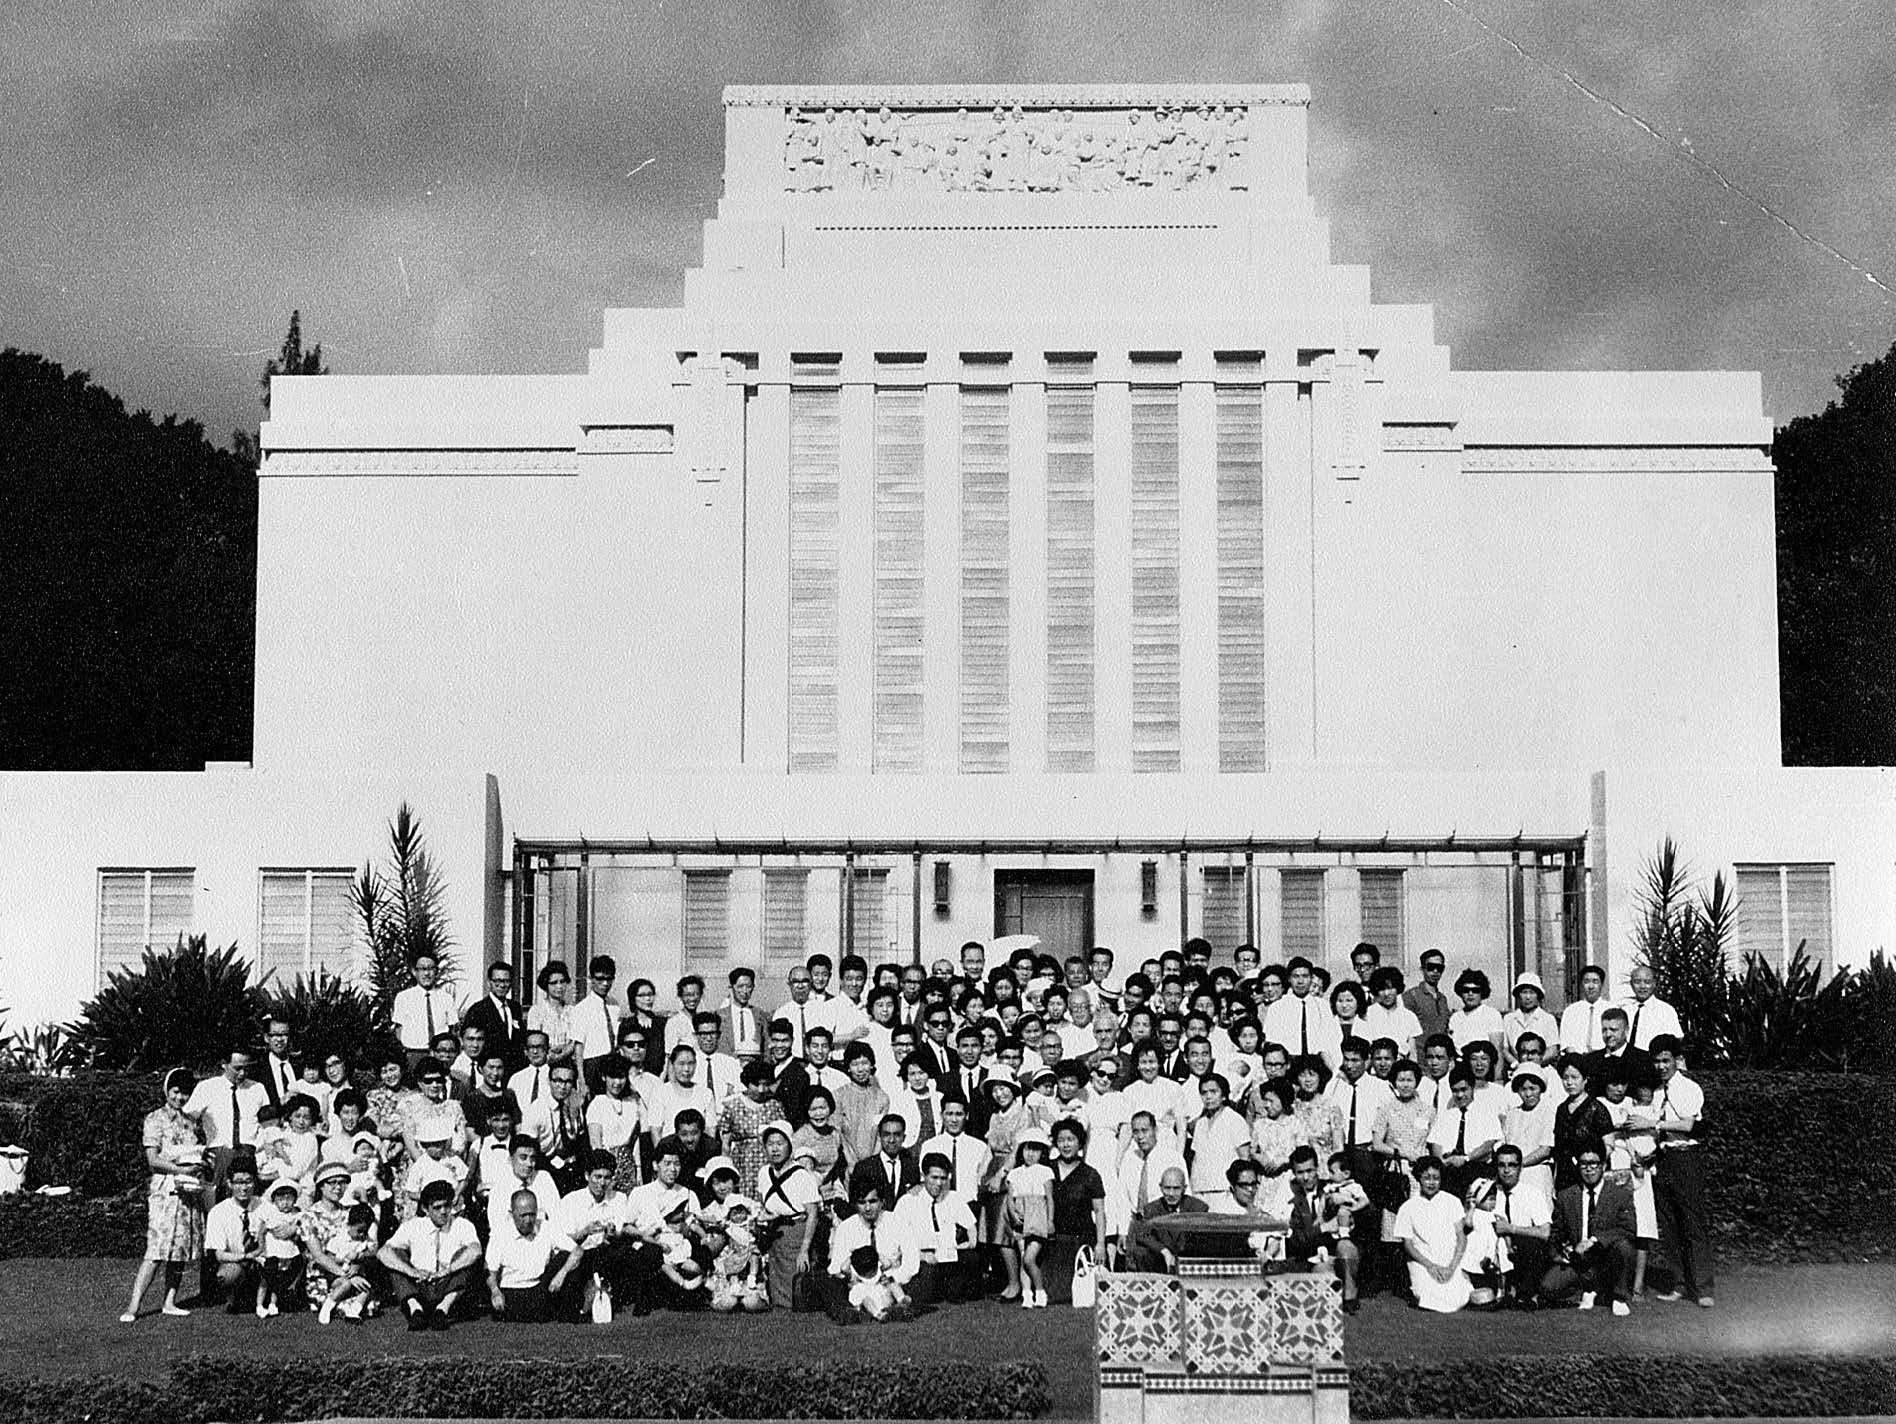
{"points": [[174, 1229]]}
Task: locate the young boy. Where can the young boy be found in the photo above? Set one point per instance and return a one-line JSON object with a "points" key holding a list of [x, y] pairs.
{"points": [[436, 1165], [871, 1291]]}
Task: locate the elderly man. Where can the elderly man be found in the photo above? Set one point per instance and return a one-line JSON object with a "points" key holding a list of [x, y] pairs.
{"points": [[1651, 1015], [1143, 1166], [1144, 1251], [528, 1262]]}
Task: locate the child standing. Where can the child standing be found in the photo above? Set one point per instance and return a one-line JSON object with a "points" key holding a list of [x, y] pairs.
{"points": [[282, 1249], [1030, 1211], [1630, 1154]]}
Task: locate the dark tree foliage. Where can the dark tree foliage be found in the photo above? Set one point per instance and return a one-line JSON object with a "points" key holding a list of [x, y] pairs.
{"points": [[1836, 549], [293, 360], [129, 550]]}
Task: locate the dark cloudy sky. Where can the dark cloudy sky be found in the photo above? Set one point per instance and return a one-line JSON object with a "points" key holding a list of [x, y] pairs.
{"points": [[462, 185]]}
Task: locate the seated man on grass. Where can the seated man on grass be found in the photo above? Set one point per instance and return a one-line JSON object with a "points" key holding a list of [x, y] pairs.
{"points": [[432, 1260], [528, 1263]]}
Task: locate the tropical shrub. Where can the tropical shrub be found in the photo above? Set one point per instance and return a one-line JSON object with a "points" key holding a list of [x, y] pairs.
{"points": [[1683, 936], [188, 1005], [328, 1016], [400, 910]]}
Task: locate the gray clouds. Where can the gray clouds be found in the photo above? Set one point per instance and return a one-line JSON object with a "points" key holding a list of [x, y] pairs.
{"points": [[450, 186]]}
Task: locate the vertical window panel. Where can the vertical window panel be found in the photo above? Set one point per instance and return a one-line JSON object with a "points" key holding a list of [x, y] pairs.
{"points": [[1227, 892], [140, 909], [870, 938], [1070, 578], [1760, 913], [1240, 439], [1155, 590], [1301, 898], [707, 920], [1382, 911], [898, 581], [305, 923], [786, 896], [984, 580], [815, 545], [1807, 913]]}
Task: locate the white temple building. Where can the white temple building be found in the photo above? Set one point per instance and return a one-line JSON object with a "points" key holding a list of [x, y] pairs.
{"points": [[1020, 525]]}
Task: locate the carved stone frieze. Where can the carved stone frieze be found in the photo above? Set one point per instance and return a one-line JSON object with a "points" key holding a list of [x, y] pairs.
{"points": [[1017, 149], [420, 462], [1613, 459]]}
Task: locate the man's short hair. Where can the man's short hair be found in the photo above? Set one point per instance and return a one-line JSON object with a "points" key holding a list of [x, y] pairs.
{"points": [[741, 972], [688, 981], [1303, 1152], [1661, 1043], [1593, 971], [1616, 1012], [1241, 1168], [601, 967], [434, 1194], [938, 1160]]}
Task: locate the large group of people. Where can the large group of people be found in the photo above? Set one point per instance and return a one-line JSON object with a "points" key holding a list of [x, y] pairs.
{"points": [[891, 1139]]}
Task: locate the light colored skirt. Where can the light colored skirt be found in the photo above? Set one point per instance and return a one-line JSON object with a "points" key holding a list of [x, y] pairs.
{"points": [[174, 1228]]}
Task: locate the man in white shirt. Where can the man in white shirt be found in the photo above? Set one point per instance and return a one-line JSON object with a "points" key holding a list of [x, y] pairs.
{"points": [[233, 1240], [1651, 1016], [843, 1014], [942, 1225], [1464, 1134], [432, 1259], [424, 1009], [872, 1225], [968, 1156], [1358, 1096], [719, 1073], [595, 1021], [558, 1124], [746, 1024], [1523, 1218], [275, 1070], [1678, 1188], [1145, 1162], [1302, 1020], [528, 1261], [1055, 1008], [597, 1218], [1580, 1025], [649, 1204], [530, 1084], [800, 1011], [524, 1174], [225, 1110], [682, 1026]]}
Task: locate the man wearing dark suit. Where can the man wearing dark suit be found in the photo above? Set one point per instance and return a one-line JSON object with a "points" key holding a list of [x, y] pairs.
{"points": [[967, 1079], [1169, 1030], [933, 1047], [1592, 1238], [891, 1171], [1306, 1227], [497, 1015], [274, 1069], [1143, 1251], [1620, 1055], [792, 1079]]}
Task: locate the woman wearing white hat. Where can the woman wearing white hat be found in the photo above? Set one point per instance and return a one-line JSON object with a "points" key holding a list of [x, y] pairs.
{"points": [[1529, 1015]]}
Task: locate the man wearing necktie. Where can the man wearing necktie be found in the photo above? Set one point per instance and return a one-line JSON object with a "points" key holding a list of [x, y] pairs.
{"points": [[1307, 1234], [233, 1242], [943, 1228], [278, 1073], [1592, 1238], [892, 1170], [423, 1010], [746, 1040], [1580, 1022], [799, 1010], [1523, 1221]]}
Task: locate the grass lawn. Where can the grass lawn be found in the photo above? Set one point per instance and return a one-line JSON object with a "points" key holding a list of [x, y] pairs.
{"points": [[60, 1317]]}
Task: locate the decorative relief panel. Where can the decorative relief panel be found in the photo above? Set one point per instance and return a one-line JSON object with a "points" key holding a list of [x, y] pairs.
{"points": [[1613, 459], [1139, 1320], [1304, 1322], [421, 462], [1227, 1329], [1016, 149]]}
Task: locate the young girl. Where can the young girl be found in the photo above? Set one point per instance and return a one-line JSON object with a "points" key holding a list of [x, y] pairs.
{"points": [[282, 1249], [351, 1292], [296, 1149], [736, 1269], [1030, 1211]]}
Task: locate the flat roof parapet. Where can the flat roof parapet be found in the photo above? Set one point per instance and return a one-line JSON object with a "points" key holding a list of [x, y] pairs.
{"points": [[987, 96]]}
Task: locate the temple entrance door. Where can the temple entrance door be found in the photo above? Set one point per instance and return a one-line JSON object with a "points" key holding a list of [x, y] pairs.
{"points": [[1057, 905]]}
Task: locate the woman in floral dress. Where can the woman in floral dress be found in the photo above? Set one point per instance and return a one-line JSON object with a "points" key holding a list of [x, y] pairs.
{"points": [[1274, 1136], [174, 1227], [613, 1120], [740, 1125], [1322, 1122]]}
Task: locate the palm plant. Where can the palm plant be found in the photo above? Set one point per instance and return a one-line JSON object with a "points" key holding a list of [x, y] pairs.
{"points": [[1791, 1019], [1684, 937], [401, 912], [188, 1005]]}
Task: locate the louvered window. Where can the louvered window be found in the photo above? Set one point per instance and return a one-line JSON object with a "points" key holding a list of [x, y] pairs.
{"points": [[1240, 578], [898, 580], [785, 894], [869, 917], [707, 920], [141, 908], [305, 923], [815, 541], [1070, 578], [1155, 603], [1382, 911], [984, 580], [1781, 907], [1226, 919], [1301, 898]]}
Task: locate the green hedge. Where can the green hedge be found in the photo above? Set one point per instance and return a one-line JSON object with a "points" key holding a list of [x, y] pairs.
{"points": [[73, 1226], [83, 1132], [262, 1391], [1801, 1166], [1671, 1387]]}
